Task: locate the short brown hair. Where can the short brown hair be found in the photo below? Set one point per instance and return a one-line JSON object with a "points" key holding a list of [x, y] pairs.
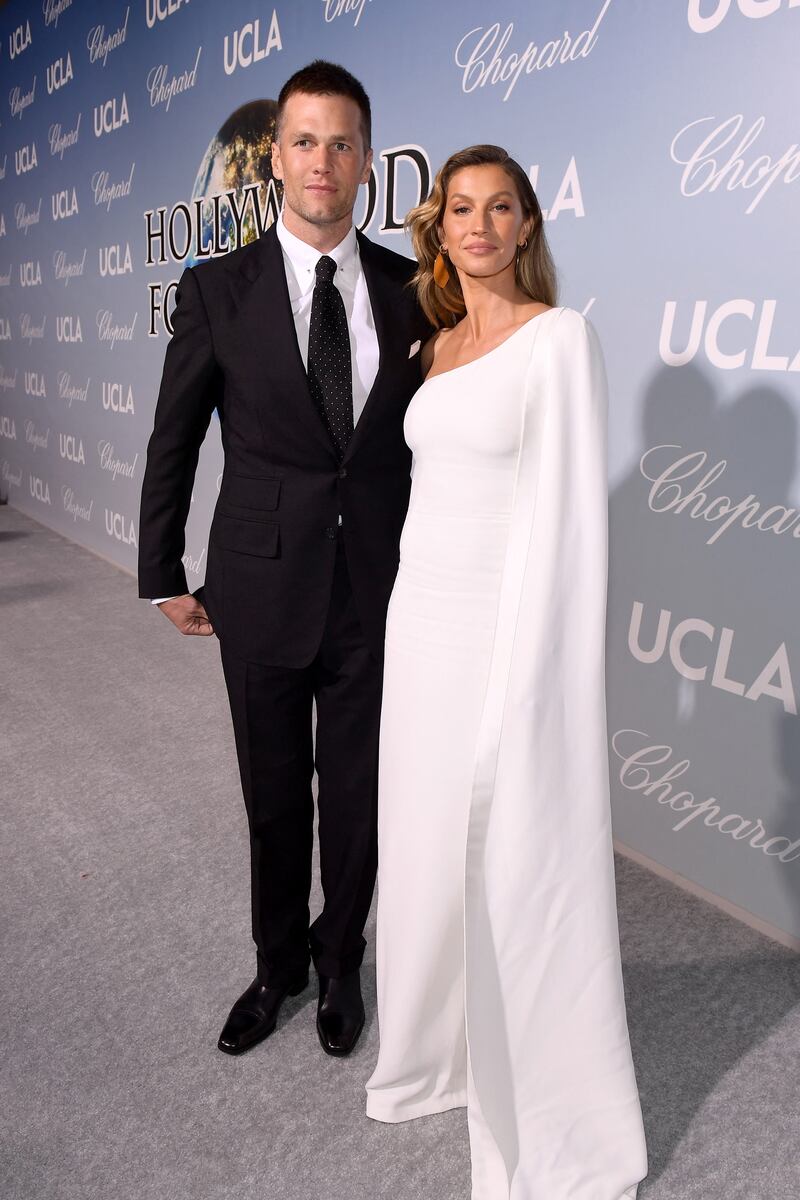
{"points": [[535, 270], [321, 78]]}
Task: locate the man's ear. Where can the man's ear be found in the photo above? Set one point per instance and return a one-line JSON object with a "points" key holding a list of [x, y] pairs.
{"points": [[277, 169], [365, 174]]}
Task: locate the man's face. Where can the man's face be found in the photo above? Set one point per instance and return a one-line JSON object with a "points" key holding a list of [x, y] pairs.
{"points": [[321, 157]]}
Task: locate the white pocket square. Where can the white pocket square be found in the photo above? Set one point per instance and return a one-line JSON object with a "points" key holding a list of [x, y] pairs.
{"points": [[414, 348]]}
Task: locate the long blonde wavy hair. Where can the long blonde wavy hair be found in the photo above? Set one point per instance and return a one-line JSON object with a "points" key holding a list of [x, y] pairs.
{"points": [[535, 270]]}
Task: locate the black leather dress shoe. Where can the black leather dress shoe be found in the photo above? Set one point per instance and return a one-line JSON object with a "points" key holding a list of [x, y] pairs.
{"points": [[255, 1014], [340, 1012]]}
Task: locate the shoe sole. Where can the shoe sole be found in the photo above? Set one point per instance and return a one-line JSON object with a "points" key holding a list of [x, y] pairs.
{"points": [[295, 990]]}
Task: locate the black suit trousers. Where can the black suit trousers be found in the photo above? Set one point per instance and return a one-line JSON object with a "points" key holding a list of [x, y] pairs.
{"points": [[271, 709]]}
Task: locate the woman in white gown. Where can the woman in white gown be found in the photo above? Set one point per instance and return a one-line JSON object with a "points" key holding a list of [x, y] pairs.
{"points": [[498, 964]]}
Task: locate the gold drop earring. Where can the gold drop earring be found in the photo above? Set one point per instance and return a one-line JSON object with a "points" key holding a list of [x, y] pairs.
{"points": [[441, 275]]}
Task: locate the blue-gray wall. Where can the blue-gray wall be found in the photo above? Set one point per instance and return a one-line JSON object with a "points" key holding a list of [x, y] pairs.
{"points": [[663, 142]]}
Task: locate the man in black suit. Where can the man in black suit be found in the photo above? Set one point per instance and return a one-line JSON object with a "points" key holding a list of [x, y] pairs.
{"points": [[306, 342]]}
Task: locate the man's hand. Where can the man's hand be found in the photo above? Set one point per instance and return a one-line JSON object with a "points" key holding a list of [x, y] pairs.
{"points": [[188, 615]]}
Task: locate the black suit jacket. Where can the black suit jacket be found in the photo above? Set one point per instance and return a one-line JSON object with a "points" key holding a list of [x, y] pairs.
{"points": [[272, 543]]}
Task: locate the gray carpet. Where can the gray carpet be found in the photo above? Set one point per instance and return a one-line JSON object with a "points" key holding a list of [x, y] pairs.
{"points": [[125, 939]]}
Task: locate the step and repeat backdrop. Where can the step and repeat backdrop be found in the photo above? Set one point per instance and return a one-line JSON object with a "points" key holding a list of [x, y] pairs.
{"points": [[662, 140]]}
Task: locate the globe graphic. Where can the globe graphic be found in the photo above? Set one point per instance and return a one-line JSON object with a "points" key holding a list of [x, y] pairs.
{"points": [[238, 156]]}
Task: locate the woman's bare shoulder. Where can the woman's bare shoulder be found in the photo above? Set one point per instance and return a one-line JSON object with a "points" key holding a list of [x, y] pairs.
{"points": [[428, 351]]}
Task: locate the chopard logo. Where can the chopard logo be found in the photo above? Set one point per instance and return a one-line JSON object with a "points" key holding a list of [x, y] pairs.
{"points": [[65, 269], [25, 217], [484, 58], [331, 9], [69, 391], [34, 438], [639, 754], [682, 484], [114, 465], [716, 157], [99, 44], [163, 87], [18, 100], [78, 510], [108, 193], [52, 10], [59, 142], [111, 331]]}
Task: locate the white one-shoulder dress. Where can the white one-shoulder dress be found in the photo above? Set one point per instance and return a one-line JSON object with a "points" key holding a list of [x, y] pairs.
{"points": [[498, 963]]}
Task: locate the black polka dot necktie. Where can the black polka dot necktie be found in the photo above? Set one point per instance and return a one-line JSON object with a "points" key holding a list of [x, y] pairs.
{"points": [[329, 369]]}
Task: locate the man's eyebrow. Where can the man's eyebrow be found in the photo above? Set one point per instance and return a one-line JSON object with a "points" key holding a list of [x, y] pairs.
{"points": [[335, 137]]}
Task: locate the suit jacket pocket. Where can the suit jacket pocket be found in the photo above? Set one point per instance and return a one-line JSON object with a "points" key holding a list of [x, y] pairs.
{"points": [[247, 536], [249, 492]]}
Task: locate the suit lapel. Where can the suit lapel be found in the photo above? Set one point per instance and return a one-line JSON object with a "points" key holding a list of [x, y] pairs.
{"points": [[380, 295], [266, 314]]}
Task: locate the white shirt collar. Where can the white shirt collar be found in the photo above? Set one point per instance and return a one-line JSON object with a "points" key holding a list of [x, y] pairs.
{"points": [[304, 258]]}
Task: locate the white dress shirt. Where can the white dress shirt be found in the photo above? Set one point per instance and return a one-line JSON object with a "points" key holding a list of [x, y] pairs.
{"points": [[300, 263]]}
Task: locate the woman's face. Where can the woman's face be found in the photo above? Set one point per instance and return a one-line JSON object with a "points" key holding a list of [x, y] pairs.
{"points": [[482, 223]]}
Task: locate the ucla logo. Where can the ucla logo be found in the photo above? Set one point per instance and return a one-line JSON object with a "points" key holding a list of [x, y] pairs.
{"points": [[8, 429], [25, 159], [159, 10], [64, 204], [19, 40], [243, 48], [751, 348], [70, 448], [39, 489], [5, 329], [119, 528], [775, 678], [30, 274], [59, 74], [114, 262], [35, 384], [755, 9], [68, 329], [115, 400], [108, 118]]}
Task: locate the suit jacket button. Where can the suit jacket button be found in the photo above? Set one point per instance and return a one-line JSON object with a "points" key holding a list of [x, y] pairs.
{"points": [[342, 472], [330, 532]]}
